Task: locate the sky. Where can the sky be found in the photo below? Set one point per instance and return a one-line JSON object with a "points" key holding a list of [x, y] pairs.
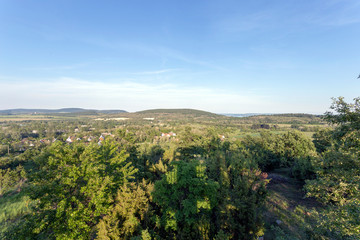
{"points": [[280, 56]]}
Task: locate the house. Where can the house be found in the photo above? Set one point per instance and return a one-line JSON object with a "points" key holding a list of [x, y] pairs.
{"points": [[28, 142], [101, 138], [170, 134], [90, 138], [25, 141], [108, 134], [70, 139], [45, 141]]}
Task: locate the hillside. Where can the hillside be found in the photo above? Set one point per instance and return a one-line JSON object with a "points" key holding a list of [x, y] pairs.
{"points": [[192, 112], [289, 118]]}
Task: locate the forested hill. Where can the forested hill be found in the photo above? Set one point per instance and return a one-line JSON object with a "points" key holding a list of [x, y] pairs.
{"points": [[293, 118], [51, 111], [193, 112]]}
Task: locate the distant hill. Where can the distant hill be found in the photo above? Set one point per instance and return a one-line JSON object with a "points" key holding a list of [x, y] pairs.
{"points": [[182, 112], [300, 115], [51, 111], [244, 114], [286, 118], [179, 111]]}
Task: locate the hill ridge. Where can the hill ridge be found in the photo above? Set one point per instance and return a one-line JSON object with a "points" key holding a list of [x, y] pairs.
{"points": [[185, 111]]}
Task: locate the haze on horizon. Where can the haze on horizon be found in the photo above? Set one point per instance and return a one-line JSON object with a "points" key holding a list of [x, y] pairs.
{"points": [[223, 57]]}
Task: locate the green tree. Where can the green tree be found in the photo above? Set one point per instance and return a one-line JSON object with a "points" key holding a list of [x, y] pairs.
{"points": [[295, 145], [74, 186], [337, 181], [323, 139], [186, 198], [273, 151], [241, 196], [128, 213]]}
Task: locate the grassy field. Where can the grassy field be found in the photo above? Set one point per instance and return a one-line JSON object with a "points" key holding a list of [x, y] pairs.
{"points": [[13, 205]]}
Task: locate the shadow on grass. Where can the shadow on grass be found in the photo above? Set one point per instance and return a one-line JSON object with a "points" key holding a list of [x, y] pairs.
{"points": [[288, 211]]}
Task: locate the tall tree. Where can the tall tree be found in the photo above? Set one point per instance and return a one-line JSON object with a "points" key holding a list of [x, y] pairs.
{"points": [[186, 198], [337, 182], [74, 186]]}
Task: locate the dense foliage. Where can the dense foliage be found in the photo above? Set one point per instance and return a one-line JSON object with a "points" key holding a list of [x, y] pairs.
{"points": [[178, 179], [337, 181]]}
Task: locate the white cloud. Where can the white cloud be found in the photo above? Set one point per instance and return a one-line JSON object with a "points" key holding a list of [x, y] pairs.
{"points": [[130, 96]]}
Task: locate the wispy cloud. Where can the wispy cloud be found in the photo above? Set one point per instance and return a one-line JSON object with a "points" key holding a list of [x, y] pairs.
{"points": [[287, 18], [335, 13], [164, 53], [131, 96], [157, 72], [240, 22]]}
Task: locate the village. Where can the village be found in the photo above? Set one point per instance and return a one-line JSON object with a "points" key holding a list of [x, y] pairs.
{"points": [[41, 137]]}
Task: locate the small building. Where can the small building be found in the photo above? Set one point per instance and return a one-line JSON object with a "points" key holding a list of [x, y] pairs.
{"points": [[70, 139], [107, 134], [170, 134], [101, 138], [45, 141]]}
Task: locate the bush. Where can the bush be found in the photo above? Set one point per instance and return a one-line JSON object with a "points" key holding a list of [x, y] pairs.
{"points": [[303, 168], [272, 151]]}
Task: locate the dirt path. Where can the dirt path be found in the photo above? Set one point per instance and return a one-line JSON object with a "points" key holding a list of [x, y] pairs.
{"points": [[286, 208]]}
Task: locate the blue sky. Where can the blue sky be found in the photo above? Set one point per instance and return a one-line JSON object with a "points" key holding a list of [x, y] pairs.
{"points": [[220, 56]]}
